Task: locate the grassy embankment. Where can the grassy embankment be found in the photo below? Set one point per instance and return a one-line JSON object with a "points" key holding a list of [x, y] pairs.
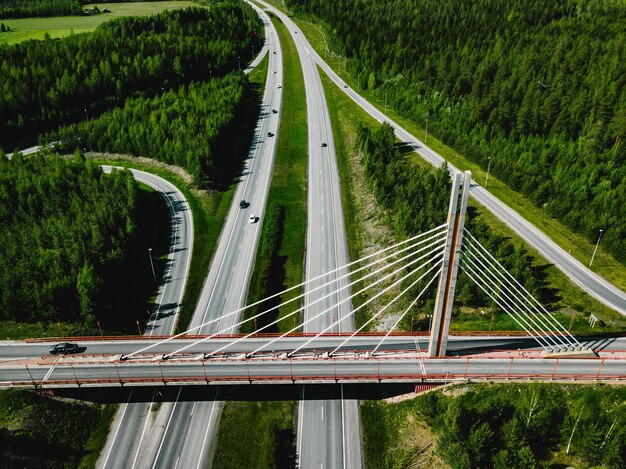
{"points": [[39, 431], [345, 115], [23, 29], [261, 434]]}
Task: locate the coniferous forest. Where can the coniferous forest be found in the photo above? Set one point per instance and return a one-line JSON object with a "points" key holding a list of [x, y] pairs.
{"points": [[182, 127], [165, 86], [47, 84], [63, 224], [30, 8], [537, 86]]}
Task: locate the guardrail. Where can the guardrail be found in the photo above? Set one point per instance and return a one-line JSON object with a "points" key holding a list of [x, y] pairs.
{"points": [[416, 378]]}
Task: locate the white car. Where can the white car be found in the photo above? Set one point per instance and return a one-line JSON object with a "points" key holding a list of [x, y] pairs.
{"points": [[252, 218], [277, 86]]}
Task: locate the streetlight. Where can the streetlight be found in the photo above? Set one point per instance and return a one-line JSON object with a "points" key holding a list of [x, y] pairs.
{"points": [[426, 131], [86, 116], [151, 264], [238, 63], [430, 318], [596, 248], [488, 168], [385, 102], [446, 380]]}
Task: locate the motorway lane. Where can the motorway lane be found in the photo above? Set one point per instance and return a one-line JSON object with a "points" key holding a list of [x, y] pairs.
{"points": [[227, 282], [13, 351], [122, 442], [586, 279], [328, 431]]}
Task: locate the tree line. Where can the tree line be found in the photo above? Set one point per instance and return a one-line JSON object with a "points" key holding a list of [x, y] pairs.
{"points": [[47, 84], [30, 8], [45, 8], [537, 87], [188, 126], [520, 426], [63, 225], [417, 200]]}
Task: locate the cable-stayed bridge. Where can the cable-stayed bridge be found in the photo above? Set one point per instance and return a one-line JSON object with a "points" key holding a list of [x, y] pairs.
{"points": [[401, 274]]}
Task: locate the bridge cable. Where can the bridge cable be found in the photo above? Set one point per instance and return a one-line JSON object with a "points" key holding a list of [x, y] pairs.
{"points": [[543, 316], [438, 264], [429, 232], [406, 311], [564, 332], [436, 243]]}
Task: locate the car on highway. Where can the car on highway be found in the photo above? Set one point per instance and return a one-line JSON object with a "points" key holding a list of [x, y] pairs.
{"points": [[277, 86], [324, 144], [63, 348], [274, 111], [243, 204], [252, 218], [270, 134]]}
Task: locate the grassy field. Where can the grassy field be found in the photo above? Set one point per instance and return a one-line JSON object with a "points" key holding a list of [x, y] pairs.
{"points": [[261, 434], [23, 29], [579, 247]]}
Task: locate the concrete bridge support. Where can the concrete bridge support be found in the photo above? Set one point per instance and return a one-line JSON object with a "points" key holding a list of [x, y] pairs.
{"points": [[447, 282]]}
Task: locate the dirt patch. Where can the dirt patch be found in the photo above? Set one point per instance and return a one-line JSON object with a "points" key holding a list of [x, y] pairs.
{"points": [[180, 172], [416, 444]]}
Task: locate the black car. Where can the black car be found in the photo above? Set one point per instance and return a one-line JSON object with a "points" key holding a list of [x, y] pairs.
{"points": [[324, 144], [270, 134], [63, 348], [243, 204], [274, 111]]}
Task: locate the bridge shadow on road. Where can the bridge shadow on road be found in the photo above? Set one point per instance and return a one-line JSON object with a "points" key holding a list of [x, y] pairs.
{"points": [[234, 392]]}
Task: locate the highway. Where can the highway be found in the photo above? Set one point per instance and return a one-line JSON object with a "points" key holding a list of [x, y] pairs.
{"points": [[106, 371], [182, 434], [328, 431], [11, 352], [589, 281], [163, 318]]}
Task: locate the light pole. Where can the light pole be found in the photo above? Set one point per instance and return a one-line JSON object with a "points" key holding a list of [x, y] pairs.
{"points": [[430, 318], [238, 63], [488, 168], [86, 116], [446, 380], [426, 131], [596, 248], [151, 264], [385, 102]]}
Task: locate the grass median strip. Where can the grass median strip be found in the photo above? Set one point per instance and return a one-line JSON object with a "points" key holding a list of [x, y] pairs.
{"points": [[261, 434]]}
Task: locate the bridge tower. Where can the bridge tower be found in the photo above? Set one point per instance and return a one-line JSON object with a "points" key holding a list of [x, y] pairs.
{"points": [[447, 281]]}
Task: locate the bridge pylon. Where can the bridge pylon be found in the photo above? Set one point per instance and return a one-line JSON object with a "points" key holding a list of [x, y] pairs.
{"points": [[447, 281]]}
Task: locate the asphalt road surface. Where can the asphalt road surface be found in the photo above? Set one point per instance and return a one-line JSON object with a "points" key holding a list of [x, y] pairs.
{"points": [[328, 431], [120, 445], [11, 352], [183, 433], [68, 372]]}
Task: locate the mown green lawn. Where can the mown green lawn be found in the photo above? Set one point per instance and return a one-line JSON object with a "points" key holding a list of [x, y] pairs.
{"points": [[23, 29]]}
